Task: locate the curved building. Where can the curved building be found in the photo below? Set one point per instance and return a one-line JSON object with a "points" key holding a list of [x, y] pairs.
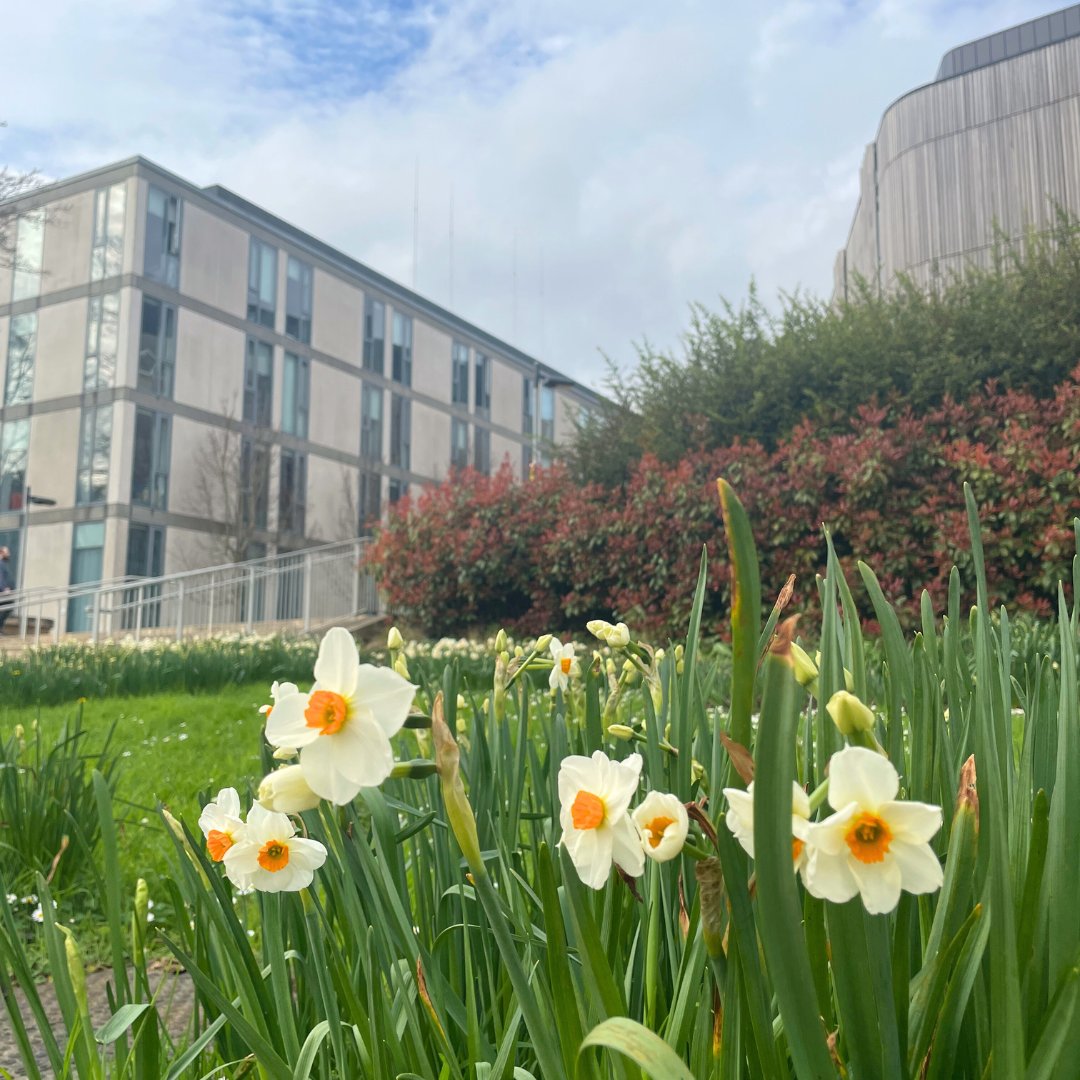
{"points": [[991, 147]]}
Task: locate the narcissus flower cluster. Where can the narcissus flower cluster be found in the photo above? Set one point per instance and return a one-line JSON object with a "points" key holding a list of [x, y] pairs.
{"points": [[874, 846], [598, 828], [262, 853]]}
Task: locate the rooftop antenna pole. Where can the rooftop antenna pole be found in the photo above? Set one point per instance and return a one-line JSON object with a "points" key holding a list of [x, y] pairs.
{"points": [[451, 247], [416, 221], [543, 312]]}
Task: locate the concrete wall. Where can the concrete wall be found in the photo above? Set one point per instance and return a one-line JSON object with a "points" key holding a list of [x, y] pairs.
{"points": [[431, 363], [210, 364], [69, 230], [337, 317], [214, 261], [430, 441], [61, 350], [334, 419]]}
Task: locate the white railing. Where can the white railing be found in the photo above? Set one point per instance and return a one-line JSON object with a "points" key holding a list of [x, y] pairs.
{"points": [[301, 590]]}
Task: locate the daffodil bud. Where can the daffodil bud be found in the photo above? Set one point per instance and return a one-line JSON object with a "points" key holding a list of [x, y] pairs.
{"points": [[697, 772], [663, 823], [400, 666], [285, 753], [285, 791], [518, 652], [617, 636], [628, 668], [543, 642], [656, 692], [680, 666], [20, 732], [76, 972], [679, 651], [394, 640], [461, 725], [500, 641], [849, 714], [461, 702], [140, 909], [659, 655], [174, 826], [609, 668], [621, 731], [459, 813], [805, 669]]}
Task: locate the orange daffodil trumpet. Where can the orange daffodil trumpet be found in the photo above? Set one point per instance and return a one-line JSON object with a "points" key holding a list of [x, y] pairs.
{"points": [[663, 824], [595, 794], [740, 820], [271, 857], [565, 664], [874, 845], [344, 726]]}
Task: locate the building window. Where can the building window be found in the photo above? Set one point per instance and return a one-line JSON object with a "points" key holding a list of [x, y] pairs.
{"points": [[107, 248], [296, 395], [150, 468], [95, 445], [374, 335], [298, 278], [459, 378], [459, 443], [371, 423], [547, 414], [161, 260], [255, 483], [145, 558], [402, 349], [483, 385], [157, 347], [396, 490], [528, 405], [87, 547], [14, 451], [292, 492], [258, 383], [526, 461], [102, 335], [482, 450], [22, 344], [370, 498], [262, 283], [29, 244], [400, 431]]}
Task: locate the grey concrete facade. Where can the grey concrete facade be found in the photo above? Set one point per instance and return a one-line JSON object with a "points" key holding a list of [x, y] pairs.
{"points": [[990, 149], [140, 346]]}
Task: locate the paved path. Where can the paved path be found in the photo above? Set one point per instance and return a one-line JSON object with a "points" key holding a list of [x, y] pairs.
{"points": [[174, 1001]]}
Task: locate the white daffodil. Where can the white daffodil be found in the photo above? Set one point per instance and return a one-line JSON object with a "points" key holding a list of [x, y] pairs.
{"points": [[616, 636], [344, 726], [663, 823], [221, 823], [873, 845], [271, 857], [278, 691], [740, 820], [565, 664], [287, 792], [595, 794]]}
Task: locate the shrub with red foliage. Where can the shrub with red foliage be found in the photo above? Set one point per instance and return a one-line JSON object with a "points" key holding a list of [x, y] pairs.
{"points": [[550, 554]]}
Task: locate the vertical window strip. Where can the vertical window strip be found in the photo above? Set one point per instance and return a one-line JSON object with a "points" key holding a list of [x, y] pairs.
{"points": [[29, 247], [22, 345], [107, 249]]}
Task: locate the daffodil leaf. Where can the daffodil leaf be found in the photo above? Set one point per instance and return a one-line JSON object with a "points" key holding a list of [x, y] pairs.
{"points": [[642, 1046]]}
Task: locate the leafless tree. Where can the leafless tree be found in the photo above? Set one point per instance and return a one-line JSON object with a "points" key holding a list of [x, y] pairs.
{"points": [[232, 485], [348, 507], [12, 184]]}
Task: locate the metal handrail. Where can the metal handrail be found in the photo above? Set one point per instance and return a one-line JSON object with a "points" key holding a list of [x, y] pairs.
{"points": [[299, 588]]}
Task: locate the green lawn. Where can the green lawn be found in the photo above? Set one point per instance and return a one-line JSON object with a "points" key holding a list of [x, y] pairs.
{"points": [[173, 747]]}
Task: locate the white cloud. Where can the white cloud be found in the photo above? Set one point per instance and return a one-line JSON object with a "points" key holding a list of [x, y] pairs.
{"points": [[638, 157]]}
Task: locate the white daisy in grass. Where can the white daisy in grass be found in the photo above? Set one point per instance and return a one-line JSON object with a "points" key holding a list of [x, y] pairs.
{"points": [[344, 726], [874, 846], [595, 794]]}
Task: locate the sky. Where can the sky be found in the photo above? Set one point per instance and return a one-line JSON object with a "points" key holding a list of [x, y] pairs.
{"points": [[586, 169]]}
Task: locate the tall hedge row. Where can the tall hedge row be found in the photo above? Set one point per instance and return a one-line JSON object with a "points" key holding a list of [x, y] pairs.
{"points": [[553, 552]]}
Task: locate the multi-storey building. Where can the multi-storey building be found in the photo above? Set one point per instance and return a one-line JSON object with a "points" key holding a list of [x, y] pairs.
{"points": [[186, 374], [990, 148]]}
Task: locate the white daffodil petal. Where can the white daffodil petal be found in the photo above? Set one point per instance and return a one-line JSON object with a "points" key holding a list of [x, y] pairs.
{"points": [[800, 801], [228, 802], [385, 695], [829, 835], [622, 778], [858, 775], [338, 662], [828, 877], [592, 856], [920, 870], [626, 849], [575, 773], [319, 763], [287, 725], [879, 884], [740, 816], [363, 752], [914, 822]]}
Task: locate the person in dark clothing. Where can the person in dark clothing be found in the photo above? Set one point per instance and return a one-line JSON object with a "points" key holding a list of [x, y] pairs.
{"points": [[7, 586]]}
